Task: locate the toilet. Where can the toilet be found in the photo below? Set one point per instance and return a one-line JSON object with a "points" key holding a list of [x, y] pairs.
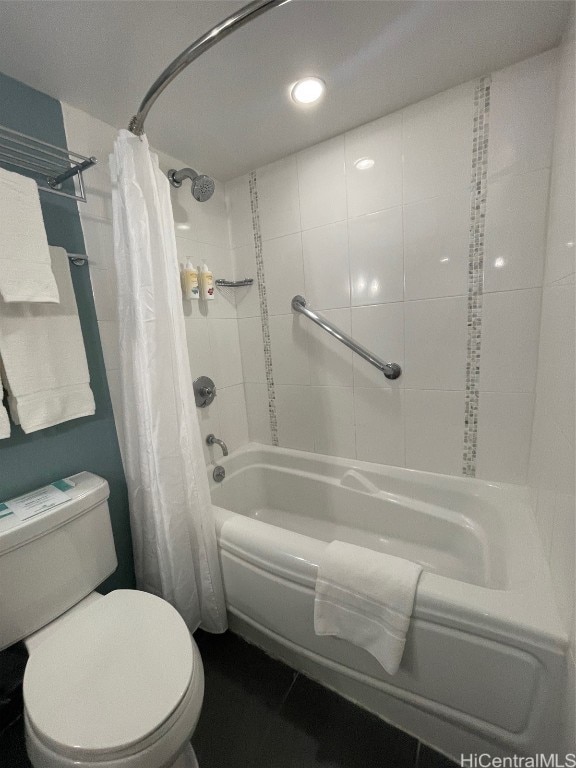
{"points": [[113, 681]]}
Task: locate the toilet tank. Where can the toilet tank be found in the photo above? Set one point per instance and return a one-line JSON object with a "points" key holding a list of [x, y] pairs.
{"points": [[53, 559]]}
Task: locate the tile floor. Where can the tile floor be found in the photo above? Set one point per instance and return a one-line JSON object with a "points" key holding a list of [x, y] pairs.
{"points": [[259, 713]]}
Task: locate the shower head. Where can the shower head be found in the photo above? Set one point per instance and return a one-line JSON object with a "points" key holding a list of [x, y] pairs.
{"points": [[202, 186]]}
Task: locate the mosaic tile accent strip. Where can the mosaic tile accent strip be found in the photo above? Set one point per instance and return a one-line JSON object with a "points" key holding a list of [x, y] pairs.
{"points": [[253, 185], [478, 190]]}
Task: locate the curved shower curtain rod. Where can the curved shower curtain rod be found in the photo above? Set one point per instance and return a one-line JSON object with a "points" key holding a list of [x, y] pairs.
{"points": [[198, 47]]}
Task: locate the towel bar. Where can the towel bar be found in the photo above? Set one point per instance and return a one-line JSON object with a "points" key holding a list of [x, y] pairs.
{"points": [[50, 165]]}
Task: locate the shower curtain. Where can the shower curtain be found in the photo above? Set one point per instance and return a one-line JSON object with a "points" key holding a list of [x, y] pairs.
{"points": [[171, 516]]}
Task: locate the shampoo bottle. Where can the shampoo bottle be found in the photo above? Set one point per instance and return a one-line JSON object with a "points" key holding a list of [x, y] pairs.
{"points": [[190, 287], [206, 284]]}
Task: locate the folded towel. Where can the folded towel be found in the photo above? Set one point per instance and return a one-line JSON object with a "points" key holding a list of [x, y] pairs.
{"points": [[25, 270], [43, 357], [366, 597]]}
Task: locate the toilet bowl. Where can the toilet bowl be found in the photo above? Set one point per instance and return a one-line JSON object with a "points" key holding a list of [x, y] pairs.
{"points": [[115, 681]]}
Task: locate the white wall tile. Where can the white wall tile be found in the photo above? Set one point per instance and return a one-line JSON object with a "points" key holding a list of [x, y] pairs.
{"points": [[557, 360], [516, 231], [278, 198], [510, 328], [561, 244], [504, 430], [99, 242], [437, 144], [379, 186], [376, 257], [562, 558], [321, 183], [436, 238], [115, 389], [434, 430], [379, 415], [233, 419], [552, 463], [252, 347], [326, 267], [295, 414], [435, 343], [209, 423], [284, 272], [288, 339], [93, 138], [257, 413], [244, 265], [225, 345], [330, 360], [380, 329], [108, 330], [200, 356], [551, 469], [239, 212], [334, 430], [211, 218], [522, 100], [105, 292]]}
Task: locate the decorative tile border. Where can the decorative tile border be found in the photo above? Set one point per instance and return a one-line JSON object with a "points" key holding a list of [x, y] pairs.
{"points": [[478, 191], [253, 186]]}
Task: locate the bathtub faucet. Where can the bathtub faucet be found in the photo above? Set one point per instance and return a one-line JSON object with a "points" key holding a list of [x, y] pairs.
{"points": [[212, 439]]}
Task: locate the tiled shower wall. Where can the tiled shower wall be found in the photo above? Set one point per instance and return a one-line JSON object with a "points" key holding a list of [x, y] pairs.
{"points": [[401, 256], [201, 236], [551, 474]]}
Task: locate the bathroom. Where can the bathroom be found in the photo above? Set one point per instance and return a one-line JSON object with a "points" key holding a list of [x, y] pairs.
{"points": [[360, 334]]}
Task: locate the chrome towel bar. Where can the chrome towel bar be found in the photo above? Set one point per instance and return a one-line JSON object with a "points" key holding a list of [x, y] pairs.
{"points": [[51, 165], [390, 370]]}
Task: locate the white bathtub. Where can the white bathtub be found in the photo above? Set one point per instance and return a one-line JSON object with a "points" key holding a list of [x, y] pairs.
{"points": [[483, 668]]}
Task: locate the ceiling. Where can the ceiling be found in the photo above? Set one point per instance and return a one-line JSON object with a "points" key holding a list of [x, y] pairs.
{"points": [[230, 111]]}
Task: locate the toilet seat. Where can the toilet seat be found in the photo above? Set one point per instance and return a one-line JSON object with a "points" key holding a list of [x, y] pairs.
{"points": [[122, 679]]}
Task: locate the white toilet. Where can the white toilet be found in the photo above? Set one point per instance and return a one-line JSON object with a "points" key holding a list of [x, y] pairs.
{"points": [[112, 681]]}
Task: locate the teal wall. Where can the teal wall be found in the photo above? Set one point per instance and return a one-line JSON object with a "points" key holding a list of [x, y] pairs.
{"points": [[90, 443]]}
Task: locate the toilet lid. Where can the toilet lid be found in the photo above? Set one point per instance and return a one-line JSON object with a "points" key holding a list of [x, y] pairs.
{"points": [[111, 676]]}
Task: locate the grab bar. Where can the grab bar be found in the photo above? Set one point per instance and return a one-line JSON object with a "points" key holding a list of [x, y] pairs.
{"points": [[390, 370]]}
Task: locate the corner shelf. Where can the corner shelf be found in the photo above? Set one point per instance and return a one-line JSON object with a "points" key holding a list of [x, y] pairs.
{"points": [[234, 283]]}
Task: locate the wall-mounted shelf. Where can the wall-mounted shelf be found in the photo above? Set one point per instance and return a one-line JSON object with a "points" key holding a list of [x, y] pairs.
{"points": [[51, 165], [234, 283]]}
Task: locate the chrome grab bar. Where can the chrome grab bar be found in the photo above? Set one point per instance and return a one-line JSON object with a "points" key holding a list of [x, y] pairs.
{"points": [[390, 370]]}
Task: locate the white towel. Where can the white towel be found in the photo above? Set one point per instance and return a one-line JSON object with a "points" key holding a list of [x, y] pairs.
{"points": [[366, 597], [43, 357], [25, 269]]}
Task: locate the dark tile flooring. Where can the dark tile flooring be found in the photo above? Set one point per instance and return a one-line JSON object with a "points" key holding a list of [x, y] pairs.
{"points": [[257, 713]]}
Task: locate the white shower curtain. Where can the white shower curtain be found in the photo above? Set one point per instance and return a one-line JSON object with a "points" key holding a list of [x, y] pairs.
{"points": [[170, 510]]}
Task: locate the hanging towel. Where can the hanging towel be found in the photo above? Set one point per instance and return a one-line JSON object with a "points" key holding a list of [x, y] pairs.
{"points": [[43, 357], [366, 597], [25, 270]]}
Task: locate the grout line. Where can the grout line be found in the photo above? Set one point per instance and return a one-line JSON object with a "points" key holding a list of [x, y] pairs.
{"points": [[478, 194]]}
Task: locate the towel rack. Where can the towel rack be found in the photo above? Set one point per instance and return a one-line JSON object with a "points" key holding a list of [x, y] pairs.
{"points": [[51, 165], [390, 370]]}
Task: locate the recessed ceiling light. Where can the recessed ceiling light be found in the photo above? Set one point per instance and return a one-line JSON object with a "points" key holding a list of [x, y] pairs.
{"points": [[364, 163], [308, 90], [182, 226]]}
